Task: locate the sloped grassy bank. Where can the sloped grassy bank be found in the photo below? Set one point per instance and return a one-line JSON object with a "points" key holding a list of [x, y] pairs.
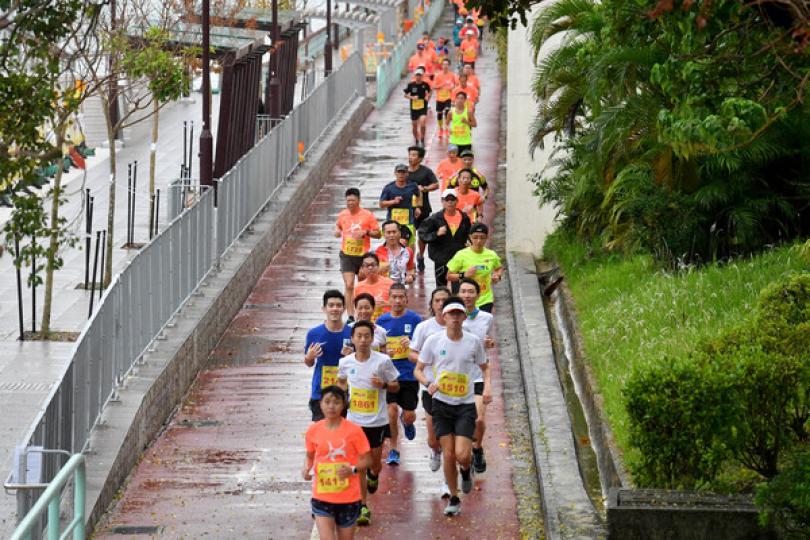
{"points": [[632, 314]]}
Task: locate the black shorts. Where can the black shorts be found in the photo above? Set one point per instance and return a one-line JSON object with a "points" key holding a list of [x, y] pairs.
{"points": [[317, 413], [350, 263], [416, 114], [478, 388], [458, 420], [344, 514], [427, 402], [375, 435], [442, 107], [462, 147], [407, 397], [486, 307]]}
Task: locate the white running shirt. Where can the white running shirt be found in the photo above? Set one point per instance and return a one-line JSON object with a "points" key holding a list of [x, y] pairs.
{"points": [[479, 326], [455, 364], [424, 330], [367, 405]]}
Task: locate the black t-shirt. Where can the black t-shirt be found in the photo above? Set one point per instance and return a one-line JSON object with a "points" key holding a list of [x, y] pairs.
{"points": [[423, 176], [420, 91]]}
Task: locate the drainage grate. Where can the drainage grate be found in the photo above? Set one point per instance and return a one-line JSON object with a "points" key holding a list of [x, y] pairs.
{"points": [[262, 306], [137, 529], [198, 423]]}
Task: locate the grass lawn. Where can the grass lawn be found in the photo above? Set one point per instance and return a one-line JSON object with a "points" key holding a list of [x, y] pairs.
{"points": [[631, 313]]}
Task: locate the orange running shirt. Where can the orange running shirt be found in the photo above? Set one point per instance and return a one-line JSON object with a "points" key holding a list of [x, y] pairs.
{"points": [[343, 446], [444, 84], [447, 169], [453, 221], [475, 82], [425, 60], [354, 240], [467, 203], [472, 93], [379, 291], [469, 50]]}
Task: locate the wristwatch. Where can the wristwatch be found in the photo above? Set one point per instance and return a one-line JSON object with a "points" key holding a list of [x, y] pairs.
{"points": [[354, 469]]}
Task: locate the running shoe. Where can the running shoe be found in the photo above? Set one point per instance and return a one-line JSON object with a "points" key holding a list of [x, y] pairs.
{"points": [[445, 490], [467, 483], [372, 483], [409, 429], [393, 457], [365, 516], [420, 263], [453, 507], [435, 460], [479, 461]]}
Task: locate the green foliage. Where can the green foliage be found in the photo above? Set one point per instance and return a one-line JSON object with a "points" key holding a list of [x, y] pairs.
{"points": [[674, 138], [161, 66], [785, 501], [742, 396]]}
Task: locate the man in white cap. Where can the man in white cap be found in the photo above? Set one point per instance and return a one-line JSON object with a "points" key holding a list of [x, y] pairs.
{"points": [[454, 356]]}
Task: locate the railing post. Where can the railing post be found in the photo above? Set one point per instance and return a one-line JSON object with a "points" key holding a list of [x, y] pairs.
{"points": [[79, 493]]}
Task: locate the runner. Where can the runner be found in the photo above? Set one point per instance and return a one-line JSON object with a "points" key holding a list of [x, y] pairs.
{"points": [[424, 178], [356, 226], [324, 347], [479, 181], [453, 356], [470, 28], [421, 59], [374, 284], [338, 453], [446, 233], [364, 305], [478, 322], [400, 324], [479, 263], [457, 31], [468, 50], [462, 120], [469, 201], [424, 330], [368, 376], [402, 200], [444, 82], [449, 166], [442, 53], [396, 260], [418, 93], [472, 78], [468, 89]]}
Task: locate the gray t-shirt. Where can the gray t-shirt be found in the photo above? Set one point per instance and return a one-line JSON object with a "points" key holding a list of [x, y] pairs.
{"points": [[479, 326], [367, 405], [455, 364], [424, 330]]}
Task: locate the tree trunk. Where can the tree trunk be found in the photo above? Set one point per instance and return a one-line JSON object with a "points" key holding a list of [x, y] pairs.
{"points": [[152, 154], [53, 245], [111, 132]]}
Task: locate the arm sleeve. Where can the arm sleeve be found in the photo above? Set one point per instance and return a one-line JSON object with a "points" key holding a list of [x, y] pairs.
{"points": [[479, 356]]}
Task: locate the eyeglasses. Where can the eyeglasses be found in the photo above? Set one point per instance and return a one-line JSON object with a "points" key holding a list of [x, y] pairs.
{"points": [[371, 264]]}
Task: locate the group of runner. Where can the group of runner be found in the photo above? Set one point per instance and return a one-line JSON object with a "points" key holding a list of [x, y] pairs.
{"points": [[371, 369]]}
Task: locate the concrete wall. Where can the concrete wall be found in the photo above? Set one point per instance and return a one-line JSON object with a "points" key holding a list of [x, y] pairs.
{"points": [[155, 388], [527, 225]]}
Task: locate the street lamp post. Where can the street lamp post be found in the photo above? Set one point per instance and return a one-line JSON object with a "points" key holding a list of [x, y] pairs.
{"points": [[327, 47], [206, 139], [275, 98]]}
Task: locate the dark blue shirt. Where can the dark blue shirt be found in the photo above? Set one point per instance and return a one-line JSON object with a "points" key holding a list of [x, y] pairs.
{"points": [[331, 344], [398, 327], [392, 191]]}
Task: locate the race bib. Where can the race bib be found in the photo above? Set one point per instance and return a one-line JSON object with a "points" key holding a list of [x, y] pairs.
{"points": [[443, 94], [469, 54], [460, 130], [328, 480], [364, 401], [353, 246], [417, 104], [401, 215], [396, 350], [453, 384], [328, 376]]}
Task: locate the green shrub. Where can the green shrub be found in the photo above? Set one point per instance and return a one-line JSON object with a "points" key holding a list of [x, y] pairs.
{"points": [[784, 502], [678, 414]]}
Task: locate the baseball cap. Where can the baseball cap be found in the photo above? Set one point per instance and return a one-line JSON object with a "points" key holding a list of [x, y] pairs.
{"points": [[449, 192], [419, 71], [420, 46], [452, 148], [459, 21], [453, 305], [400, 167], [470, 18], [479, 228], [467, 153]]}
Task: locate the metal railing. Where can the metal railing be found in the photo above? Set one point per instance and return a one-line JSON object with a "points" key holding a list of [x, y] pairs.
{"points": [[50, 501], [142, 300], [389, 72], [277, 155]]}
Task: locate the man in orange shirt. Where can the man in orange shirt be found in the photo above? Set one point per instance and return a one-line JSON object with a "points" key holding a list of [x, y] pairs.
{"points": [[468, 51], [472, 78], [355, 227], [443, 84], [375, 284], [468, 89], [449, 166], [421, 59]]}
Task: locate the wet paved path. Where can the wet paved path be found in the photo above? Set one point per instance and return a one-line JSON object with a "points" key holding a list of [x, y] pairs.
{"points": [[228, 464]]}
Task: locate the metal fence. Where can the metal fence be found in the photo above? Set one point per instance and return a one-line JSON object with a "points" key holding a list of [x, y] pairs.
{"points": [[390, 71], [154, 286], [239, 197]]}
